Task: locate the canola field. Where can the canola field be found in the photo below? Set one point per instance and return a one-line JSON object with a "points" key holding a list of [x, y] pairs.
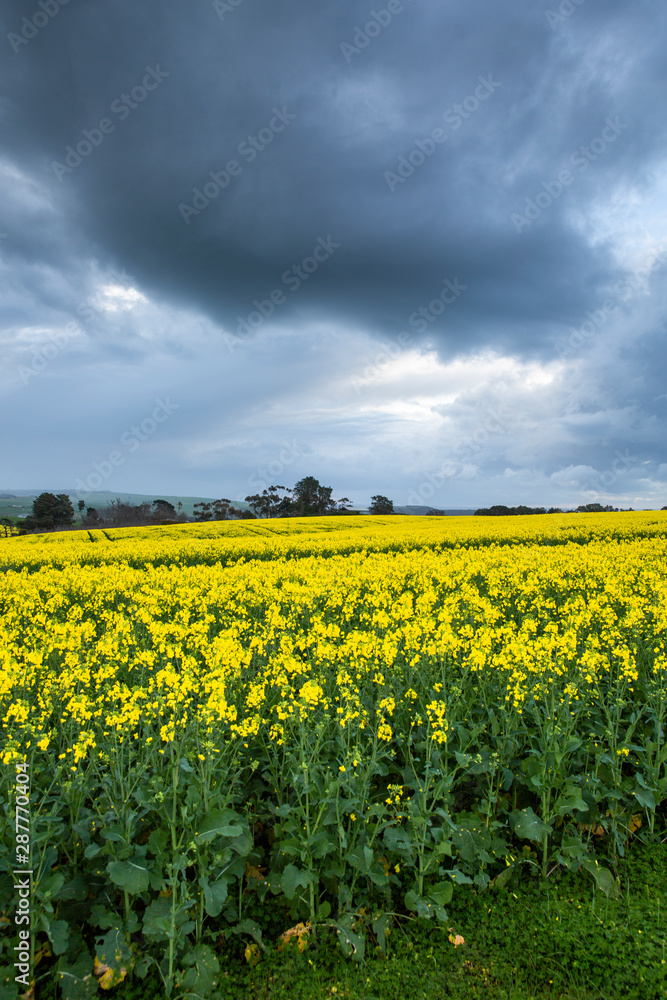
{"points": [[238, 733]]}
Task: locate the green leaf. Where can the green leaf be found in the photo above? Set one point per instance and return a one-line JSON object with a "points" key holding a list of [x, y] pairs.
{"points": [[129, 876], [501, 881], [157, 842], [250, 927], [360, 858], [113, 951], [508, 778], [115, 834], [377, 875], [441, 893], [8, 987], [527, 825], [459, 877], [59, 936], [645, 798], [217, 824], [398, 840], [76, 980], [292, 878], [380, 927], [418, 904], [49, 885], [157, 918], [467, 844], [320, 845], [101, 917], [567, 804], [77, 889], [215, 895], [604, 879], [351, 943], [443, 848], [205, 967]]}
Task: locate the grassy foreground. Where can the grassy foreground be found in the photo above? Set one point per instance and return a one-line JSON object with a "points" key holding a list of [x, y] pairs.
{"points": [[560, 940]]}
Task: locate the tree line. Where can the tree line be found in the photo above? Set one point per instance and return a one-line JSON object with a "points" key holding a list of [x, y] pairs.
{"points": [[308, 498], [500, 510]]}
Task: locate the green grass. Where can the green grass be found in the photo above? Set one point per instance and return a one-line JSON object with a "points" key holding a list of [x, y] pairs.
{"points": [[559, 940]]}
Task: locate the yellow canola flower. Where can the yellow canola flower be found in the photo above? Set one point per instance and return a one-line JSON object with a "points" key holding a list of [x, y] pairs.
{"points": [[247, 631]]}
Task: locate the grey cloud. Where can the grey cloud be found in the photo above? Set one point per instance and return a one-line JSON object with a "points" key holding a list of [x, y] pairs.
{"points": [[219, 82]]}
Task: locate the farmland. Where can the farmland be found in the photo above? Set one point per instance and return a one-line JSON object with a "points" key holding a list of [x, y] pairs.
{"points": [[245, 730]]}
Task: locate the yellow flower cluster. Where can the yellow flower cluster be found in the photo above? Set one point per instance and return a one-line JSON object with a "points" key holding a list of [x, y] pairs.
{"points": [[249, 629]]}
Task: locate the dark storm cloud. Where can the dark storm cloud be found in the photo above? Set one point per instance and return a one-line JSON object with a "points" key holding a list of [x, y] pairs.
{"points": [[224, 75], [369, 158]]}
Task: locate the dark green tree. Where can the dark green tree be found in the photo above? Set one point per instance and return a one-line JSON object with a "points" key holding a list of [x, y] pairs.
{"points": [[223, 510], [216, 510], [49, 511], [312, 500], [270, 502], [120, 514], [163, 510], [500, 510], [381, 505], [202, 511]]}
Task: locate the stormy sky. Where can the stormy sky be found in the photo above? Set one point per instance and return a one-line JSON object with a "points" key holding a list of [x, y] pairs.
{"points": [[412, 248]]}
